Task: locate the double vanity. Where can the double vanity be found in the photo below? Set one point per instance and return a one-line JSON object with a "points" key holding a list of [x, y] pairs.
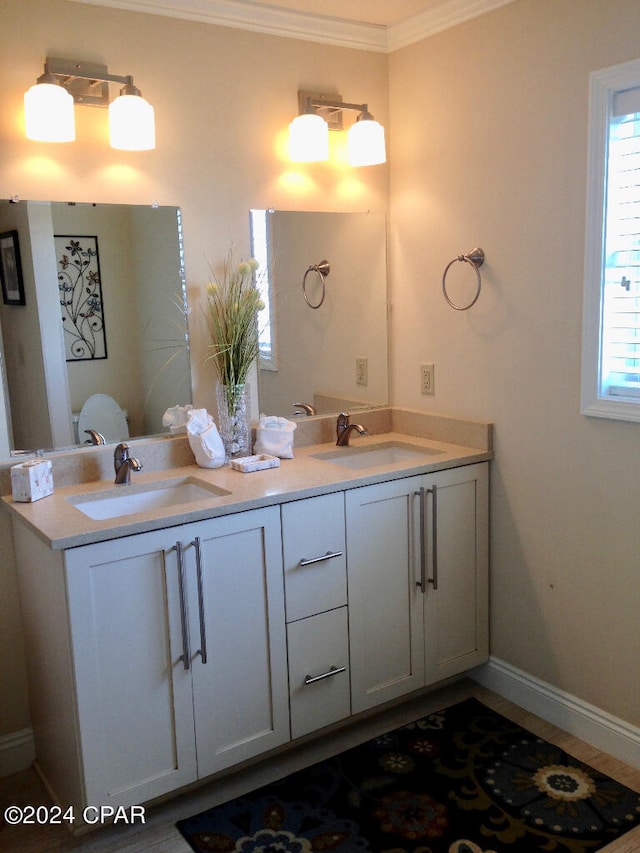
{"points": [[197, 619]]}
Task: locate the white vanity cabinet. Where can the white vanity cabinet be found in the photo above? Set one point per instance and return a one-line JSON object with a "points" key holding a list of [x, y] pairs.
{"points": [[162, 657], [418, 581], [172, 650], [315, 576]]}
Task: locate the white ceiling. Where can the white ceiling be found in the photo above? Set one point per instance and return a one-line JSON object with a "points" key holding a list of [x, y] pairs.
{"points": [[380, 25]]}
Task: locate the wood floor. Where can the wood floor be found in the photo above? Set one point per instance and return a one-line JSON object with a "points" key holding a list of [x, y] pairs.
{"points": [[159, 835]]}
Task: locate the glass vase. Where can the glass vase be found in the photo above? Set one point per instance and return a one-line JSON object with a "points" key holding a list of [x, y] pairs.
{"points": [[234, 419]]}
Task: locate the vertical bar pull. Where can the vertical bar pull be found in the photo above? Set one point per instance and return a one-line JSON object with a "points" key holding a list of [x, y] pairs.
{"points": [[434, 536], [423, 557], [186, 654], [202, 651]]}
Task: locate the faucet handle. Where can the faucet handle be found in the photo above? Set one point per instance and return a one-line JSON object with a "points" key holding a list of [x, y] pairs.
{"points": [[342, 423], [120, 454]]}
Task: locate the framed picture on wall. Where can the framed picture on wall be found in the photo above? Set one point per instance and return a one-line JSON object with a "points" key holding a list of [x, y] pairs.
{"points": [[80, 286], [11, 269]]}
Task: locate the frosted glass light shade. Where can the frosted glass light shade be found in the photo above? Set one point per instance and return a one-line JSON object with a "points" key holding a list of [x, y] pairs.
{"points": [[365, 143], [131, 124], [48, 113], [308, 139]]}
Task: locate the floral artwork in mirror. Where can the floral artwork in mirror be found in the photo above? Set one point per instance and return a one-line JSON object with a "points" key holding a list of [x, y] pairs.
{"points": [[80, 289]]}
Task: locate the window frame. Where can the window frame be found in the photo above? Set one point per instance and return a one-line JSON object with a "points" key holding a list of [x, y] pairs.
{"points": [[260, 232], [603, 86]]}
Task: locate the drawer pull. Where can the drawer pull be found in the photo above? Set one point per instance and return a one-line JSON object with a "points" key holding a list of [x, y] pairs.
{"points": [[311, 679], [328, 556]]}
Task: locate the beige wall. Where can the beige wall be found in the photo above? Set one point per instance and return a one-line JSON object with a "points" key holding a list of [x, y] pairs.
{"points": [[223, 100], [489, 124], [488, 132]]}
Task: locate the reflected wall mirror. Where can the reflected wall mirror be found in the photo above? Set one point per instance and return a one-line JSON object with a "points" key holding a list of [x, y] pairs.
{"points": [[139, 312], [333, 357]]}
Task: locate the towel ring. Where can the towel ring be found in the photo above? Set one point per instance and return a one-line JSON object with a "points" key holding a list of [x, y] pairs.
{"points": [[475, 258], [322, 269]]}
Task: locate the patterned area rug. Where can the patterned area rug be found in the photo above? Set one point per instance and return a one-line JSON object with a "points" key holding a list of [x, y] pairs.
{"points": [[463, 780]]}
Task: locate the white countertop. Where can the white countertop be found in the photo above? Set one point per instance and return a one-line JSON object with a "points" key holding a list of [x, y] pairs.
{"points": [[61, 525]]}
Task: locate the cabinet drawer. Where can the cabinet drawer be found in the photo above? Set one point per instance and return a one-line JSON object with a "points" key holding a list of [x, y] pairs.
{"points": [[313, 537], [319, 688]]}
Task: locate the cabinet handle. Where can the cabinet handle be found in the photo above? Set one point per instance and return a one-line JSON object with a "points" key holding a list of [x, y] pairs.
{"points": [[202, 651], [311, 679], [433, 491], [186, 654], [423, 557], [434, 536], [328, 556]]}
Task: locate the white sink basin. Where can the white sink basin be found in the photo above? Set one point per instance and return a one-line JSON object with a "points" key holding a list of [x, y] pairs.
{"points": [[385, 453], [131, 499]]}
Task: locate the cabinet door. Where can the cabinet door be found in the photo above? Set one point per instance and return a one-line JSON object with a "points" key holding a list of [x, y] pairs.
{"points": [[313, 547], [237, 630], [133, 693], [385, 604], [456, 591]]}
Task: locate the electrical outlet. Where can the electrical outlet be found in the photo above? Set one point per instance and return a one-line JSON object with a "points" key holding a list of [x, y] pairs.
{"points": [[362, 376], [427, 379]]}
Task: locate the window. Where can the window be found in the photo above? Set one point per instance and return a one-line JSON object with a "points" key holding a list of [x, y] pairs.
{"points": [[260, 251], [611, 334]]}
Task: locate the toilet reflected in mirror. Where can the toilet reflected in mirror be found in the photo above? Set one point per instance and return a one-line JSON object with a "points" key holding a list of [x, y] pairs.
{"points": [[101, 414]]}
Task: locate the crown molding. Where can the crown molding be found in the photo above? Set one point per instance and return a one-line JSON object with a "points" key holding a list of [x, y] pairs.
{"points": [[273, 20], [261, 19], [440, 16]]}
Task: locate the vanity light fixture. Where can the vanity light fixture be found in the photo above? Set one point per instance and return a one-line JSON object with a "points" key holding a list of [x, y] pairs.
{"points": [[309, 131], [48, 105]]}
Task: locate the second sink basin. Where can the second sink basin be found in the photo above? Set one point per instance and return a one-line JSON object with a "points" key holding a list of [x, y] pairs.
{"points": [[131, 499], [385, 453]]}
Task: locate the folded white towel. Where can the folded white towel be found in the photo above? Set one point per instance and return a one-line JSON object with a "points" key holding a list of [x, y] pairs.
{"points": [[274, 436], [204, 439]]}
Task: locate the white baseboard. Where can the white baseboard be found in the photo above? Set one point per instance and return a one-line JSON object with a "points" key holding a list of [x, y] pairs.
{"points": [[587, 722], [17, 752], [598, 728]]}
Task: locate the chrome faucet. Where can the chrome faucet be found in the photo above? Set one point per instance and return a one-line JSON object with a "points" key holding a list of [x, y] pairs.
{"points": [[124, 464], [344, 429], [304, 409], [95, 437]]}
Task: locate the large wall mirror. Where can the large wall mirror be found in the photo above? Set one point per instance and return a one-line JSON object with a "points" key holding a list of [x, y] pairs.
{"points": [[314, 356], [334, 356], [104, 312]]}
